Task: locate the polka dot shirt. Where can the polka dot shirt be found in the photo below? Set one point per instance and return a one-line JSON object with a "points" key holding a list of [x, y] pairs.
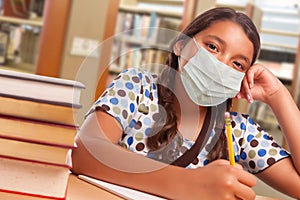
{"points": [[132, 99]]}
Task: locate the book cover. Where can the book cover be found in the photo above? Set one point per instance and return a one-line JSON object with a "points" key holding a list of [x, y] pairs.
{"points": [[24, 179], [39, 88], [37, 131]]}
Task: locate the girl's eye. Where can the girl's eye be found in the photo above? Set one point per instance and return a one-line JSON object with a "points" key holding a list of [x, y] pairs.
{"points": [[212, 47], [239, 65]]}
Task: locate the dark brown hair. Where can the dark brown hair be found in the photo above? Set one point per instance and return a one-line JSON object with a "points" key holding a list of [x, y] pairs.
{"points": [[165, 129]]}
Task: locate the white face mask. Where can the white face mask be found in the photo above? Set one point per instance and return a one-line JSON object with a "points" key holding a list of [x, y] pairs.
{"points": [[207, 81]]}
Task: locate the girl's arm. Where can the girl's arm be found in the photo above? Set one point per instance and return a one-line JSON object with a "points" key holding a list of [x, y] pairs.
{"points": [[97, 156], [260, 84]]}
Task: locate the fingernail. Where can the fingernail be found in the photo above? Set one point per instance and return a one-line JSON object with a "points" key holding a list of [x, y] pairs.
{"points": [[249, 98]]}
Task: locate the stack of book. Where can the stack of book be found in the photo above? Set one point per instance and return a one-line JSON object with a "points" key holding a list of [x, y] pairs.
{"points": [[37, 130]]}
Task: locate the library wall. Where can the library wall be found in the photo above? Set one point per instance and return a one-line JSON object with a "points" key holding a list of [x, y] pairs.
{"points": [[87, 22]]}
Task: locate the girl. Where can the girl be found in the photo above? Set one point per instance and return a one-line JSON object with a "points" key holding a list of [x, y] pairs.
{"points": [[175, 123]]}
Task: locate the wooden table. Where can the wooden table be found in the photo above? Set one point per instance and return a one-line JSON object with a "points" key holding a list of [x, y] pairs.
{"points": [[81, 190]]}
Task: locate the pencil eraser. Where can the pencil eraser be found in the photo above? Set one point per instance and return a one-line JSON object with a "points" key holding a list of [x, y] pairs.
{"points": [[227, 114]]}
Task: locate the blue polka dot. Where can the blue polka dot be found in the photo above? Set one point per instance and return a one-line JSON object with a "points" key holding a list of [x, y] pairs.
{"points": [[233, 113], [124, 103], [266, 137], [243, 155], [147, 131], [205, 162], [243, 126], [132, 123], [140, 75], [250, 121], [236, 158], [111, 85], [119, 120], [130, 140], [260, 163], [98, 101], [283, 153], [129, 85], [153, 86], [233, 138], [132, 107], [235, 148], [251, 129], [119, 84], [250, 137], [261, 152], [147, 93], [147, 121], [264, 143], [114, 101]]}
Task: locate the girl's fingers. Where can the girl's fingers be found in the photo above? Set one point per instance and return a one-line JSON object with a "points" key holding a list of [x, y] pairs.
{"points": [[246, 90]]}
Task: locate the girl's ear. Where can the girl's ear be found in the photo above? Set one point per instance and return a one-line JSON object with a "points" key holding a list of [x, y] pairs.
{"points": [[178, 47]]}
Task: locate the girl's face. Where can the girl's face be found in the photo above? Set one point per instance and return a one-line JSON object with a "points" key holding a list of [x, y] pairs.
{"points": [[227, 41]]}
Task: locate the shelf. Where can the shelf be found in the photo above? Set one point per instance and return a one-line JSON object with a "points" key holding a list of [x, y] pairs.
{"points": [[134, 9], [143, 42], [38, 22]]}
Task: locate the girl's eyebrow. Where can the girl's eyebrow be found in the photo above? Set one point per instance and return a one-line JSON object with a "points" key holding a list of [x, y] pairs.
{"points": [[217, 38]]}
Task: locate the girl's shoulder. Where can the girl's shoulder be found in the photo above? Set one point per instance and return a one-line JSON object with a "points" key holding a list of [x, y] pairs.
{"points": [[241, 118], [135, 74]]}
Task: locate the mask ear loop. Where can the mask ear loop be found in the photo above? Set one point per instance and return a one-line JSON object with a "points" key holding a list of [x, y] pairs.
{"points": [[196, 43], [179, 65]]}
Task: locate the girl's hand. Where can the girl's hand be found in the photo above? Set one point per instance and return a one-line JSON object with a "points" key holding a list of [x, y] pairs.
{"points": [[259, 84], [219, 180]]}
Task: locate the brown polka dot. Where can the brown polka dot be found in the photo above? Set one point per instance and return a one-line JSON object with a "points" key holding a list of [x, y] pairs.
{"points": [[241, 141], [137, 99], [245, 116], [118, 77], [151, 96], [104, 94], [254, 143], [274, 144], [138, 125], [155, 116], [270, 161], [233, 124], [259, 128], [121, 93], [140, 146], [147, 79], [252, 164], [196, 161], [124, 114], [105, 107], [142, 90], [135, 79]]}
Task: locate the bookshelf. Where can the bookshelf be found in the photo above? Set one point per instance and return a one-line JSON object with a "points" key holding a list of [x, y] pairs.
{"points": [[20, 29], [142, 37]]}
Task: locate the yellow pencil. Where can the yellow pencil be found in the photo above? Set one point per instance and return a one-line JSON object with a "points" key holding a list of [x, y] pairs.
{"points": [[229, 138]]}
